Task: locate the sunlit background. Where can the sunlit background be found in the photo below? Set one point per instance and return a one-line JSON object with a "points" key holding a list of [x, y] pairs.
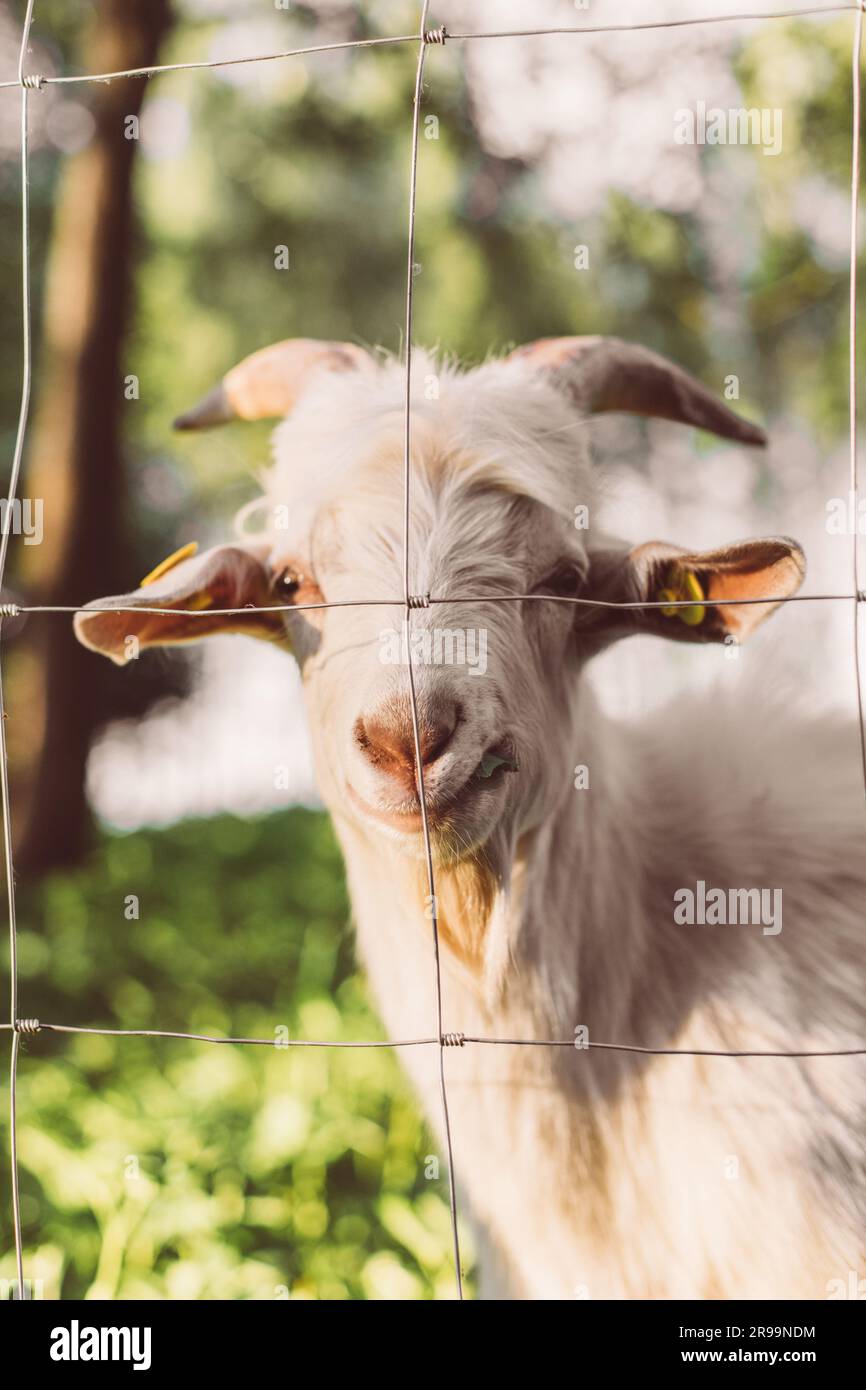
{"points": [[175, 1170]]}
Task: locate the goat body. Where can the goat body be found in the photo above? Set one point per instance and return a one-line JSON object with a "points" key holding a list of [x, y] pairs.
{"points": [[589, 1172]]}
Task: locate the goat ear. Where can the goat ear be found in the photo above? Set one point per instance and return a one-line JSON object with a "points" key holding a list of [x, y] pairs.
{"points": [[737, 575], [608, 374], [268, 383], [229, 576]]}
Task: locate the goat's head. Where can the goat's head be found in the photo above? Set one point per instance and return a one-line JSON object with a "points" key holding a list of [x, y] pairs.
{"points": [[499, 464]]}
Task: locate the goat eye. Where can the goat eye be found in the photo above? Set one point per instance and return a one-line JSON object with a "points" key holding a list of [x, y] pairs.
{"points": [[287, 583], [290, 585], [563, 582]]}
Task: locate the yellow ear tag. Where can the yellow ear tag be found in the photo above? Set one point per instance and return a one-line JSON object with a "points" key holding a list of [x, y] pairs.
{"points": [[169, 563], [683, 585]]}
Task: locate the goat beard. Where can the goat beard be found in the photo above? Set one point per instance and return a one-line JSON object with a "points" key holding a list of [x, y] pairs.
{"points": [[466, 892]]}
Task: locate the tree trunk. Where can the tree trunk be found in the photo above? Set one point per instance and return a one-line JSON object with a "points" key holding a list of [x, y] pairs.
{"points": [[76, 460]]}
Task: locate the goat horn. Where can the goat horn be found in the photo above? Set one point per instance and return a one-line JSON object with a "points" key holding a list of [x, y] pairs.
{"points": [[270, 381], [609, 374]]}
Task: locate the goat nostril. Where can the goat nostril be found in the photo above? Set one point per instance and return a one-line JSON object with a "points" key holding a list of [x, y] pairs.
{"points": [[388, 739], [434, 737]]}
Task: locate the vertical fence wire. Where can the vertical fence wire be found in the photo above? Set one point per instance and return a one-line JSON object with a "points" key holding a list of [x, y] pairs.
{"points": [[413, 698], [18, 454], [852, 369]]}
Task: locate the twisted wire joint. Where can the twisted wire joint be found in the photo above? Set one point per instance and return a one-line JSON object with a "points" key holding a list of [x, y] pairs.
{"points": [[440, 35], [33, 81], [453, 1040], [419, 600], [27, 1025]]}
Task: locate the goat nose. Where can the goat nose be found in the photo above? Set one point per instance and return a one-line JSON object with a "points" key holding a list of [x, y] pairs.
{"points": [[387, 738]]}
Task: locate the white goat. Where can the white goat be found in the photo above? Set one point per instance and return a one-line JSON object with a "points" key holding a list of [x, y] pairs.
{"points": [[605, 1173]]}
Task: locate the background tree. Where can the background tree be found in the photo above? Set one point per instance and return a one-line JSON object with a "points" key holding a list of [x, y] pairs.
{"points": [[76, 460]]}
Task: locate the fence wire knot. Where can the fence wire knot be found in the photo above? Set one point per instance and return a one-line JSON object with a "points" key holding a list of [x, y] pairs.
{"points": [[440, 35], [9, 610], [418, 601], [33, 81], [453, 1040], [27, 1025]]}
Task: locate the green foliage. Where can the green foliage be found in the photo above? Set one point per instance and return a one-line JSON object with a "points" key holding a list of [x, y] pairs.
{"points": [[169, 1169]]}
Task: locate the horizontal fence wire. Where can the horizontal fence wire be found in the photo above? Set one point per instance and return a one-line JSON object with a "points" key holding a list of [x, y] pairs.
{"points": [[424, 38], [30, 1026], [14, 610], [434, 36], [643, 25]]}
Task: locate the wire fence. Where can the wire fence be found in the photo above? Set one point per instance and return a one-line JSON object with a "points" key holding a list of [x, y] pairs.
{"points": [[424, 38]]}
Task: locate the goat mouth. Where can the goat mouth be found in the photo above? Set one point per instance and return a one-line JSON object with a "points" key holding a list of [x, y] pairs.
{"points": [[499, 760], [405, 821], [406, 818], [443, 810]]}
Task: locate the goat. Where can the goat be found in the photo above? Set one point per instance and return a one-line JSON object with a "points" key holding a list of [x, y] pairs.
{"points": [[588, 1172]]}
